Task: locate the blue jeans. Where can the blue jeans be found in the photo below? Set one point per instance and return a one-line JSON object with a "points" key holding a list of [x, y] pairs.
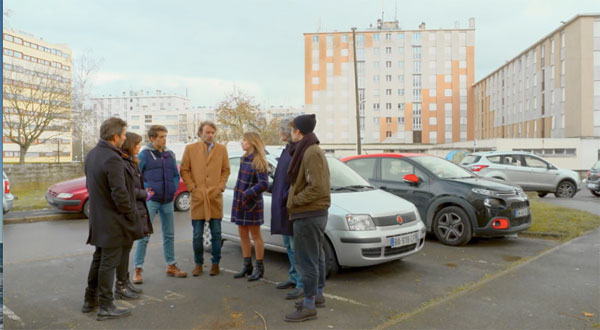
{"points": [[167, 216], [309, 234], [288, 242], [215, 241]]}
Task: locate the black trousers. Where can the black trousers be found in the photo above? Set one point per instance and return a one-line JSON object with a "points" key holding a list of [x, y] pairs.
{"points": [[102, 275], [123, 268]]}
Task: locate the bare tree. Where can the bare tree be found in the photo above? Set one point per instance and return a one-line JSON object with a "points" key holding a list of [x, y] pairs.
{"points": [[85, 121], [238, 113], [37, 106]]}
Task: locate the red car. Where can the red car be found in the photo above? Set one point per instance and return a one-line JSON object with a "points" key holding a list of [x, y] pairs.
{"points": [[72, 195]]}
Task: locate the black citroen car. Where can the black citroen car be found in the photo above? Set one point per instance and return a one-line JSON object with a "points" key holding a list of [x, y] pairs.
{"points": [[593, 179], [454, 203]]}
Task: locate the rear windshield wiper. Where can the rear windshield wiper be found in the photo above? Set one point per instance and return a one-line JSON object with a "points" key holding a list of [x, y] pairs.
{"points": [[352, 188]]}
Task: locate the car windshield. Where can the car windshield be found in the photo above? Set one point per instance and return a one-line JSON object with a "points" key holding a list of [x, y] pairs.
{"points": [[597, 166], [343, 177], [470, 159], [442, 168]]}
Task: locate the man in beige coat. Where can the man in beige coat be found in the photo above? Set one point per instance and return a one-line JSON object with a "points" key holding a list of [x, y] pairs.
{"points": [[205, 169]]}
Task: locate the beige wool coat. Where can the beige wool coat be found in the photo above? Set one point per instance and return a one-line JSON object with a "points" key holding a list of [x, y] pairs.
{"points": [[205, 175]]}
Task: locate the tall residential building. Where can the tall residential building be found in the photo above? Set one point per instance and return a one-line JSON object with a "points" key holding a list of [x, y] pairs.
{"points": [[414, 86], [550, 90], [141, 110], [36, 93]]}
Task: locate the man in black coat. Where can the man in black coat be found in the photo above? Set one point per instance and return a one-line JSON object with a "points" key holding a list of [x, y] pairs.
{"points": [[113, 217]]}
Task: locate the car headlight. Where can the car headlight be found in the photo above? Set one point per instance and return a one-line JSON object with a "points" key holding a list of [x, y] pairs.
{"points": [[64, 195], [360, 222], [484, 192]]}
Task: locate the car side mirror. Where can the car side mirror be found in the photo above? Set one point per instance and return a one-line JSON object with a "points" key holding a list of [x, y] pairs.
{"points": [[411, 178]]}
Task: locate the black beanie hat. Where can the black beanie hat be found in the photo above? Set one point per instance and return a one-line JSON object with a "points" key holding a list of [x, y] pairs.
{"points": [[305, 123]]}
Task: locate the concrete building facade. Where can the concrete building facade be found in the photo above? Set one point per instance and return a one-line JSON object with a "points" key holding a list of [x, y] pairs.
{"points": [[414, 86], [37, 76]]}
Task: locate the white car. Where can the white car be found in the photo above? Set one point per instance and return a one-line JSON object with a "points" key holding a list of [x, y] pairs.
{"points": [[366, 226]]}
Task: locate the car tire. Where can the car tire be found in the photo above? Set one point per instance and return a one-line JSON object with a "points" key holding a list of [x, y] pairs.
{"points": [[452, 227], [542, 194], [565, 189], [182, 202], [206, 238], [595, 193], [86, 209], [331, 263]]}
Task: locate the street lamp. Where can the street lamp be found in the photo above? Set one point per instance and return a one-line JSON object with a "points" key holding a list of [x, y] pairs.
{"points": [[358, 143]]}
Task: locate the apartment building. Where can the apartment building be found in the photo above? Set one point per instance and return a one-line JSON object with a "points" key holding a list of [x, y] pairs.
{"points": [[414, 85], [550, 90], [36, 93]]}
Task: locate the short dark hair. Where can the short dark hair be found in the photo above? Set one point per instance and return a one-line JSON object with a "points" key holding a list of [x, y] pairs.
{"points": [[206, 123], [111, 127], [155, 129]]}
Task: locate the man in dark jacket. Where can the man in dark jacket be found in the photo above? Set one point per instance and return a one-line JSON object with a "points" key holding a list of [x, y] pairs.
{"points": [[113, 217], [159, 170], [280, 222], [308, 204]]}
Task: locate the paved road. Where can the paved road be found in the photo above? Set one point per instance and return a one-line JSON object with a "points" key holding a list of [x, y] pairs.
{"points": [[46, 264], [583, 200]]}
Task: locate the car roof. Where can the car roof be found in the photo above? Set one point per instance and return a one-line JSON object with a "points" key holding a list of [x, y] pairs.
{"points": [[384, 155], [492, 153]]}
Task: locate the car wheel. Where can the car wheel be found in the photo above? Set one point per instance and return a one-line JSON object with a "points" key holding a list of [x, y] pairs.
{"points": [[542, 194], [595, 193], [86, 209], [182, 202], [565, 189], [207, 237], [331, 263], [452, 226]]}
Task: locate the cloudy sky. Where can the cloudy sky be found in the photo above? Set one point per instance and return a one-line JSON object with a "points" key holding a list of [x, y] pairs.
{"points": [[210, 47]]}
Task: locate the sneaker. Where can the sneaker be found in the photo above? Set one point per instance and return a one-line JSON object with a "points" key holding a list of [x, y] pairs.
{"points": [[173, 270], [301, 314]]}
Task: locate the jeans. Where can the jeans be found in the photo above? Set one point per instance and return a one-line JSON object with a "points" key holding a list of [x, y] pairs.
{"points": [[167, 215], [288, 242], [309, 234], [102, 275], [215, 241], [123, 267]]}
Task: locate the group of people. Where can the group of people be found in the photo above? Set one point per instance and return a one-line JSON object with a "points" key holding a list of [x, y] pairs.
{"points": [[128, 187]]}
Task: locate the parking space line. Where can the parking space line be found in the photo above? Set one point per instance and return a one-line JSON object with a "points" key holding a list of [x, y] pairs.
{"points": [[327, 295], [11, 315]]}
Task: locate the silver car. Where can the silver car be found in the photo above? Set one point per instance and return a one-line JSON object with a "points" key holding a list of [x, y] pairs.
{"points": [[366, 226], [7, 197], [525, 169]]}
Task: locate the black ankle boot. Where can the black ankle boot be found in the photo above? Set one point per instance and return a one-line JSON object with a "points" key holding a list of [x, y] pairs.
{"points": [[131, 287], [258, 272], [123, 292], [246, 268]]}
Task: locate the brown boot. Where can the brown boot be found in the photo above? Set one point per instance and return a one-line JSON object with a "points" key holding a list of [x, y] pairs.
{"points": [[137, 276], [214, 270], [172, 270], [197, 270]]}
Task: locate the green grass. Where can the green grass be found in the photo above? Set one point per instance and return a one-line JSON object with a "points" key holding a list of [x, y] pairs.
{"points": [[551, 221], [30, 196]]}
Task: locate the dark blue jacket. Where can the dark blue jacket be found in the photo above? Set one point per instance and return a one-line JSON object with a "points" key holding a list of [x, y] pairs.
{"points": [[280, 188], [159, 170]]}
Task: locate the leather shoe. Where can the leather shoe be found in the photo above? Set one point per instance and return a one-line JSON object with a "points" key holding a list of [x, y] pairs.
{"points": [[197, 270], [285, 285], [295, 294], [214, 270], [319, 302], [89, 306], [173, 270], [112, 313], [301, 314]]}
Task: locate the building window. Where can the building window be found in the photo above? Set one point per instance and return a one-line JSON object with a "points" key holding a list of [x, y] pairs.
{"points": [[344, 51], [388, 91], [315, 67], [375, 106], [388, 50], [315, 39], [401, 106], [417, 95], [562, 66], [447, 92], [417, 67], [388, 133], [315, 80], [376, 37], [388, 36], [388, 64], [416, 53], [562, 40], [388, 120], [416, 38], [375, 78], [388, 77], [388, 106], [400, 36], [401, 92], [416, 81], [401, 120]]}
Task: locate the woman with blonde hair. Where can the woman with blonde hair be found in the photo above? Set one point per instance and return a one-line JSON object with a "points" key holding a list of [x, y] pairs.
{"points": [[247, 209]]}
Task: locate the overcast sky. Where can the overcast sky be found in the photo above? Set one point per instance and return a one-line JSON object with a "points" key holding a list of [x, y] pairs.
{"points": [[209, 47]]}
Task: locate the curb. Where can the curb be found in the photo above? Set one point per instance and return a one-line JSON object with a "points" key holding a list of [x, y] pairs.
{"points": [[50, 217]]}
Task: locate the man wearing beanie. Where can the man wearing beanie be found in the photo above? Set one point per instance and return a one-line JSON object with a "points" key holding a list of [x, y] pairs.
{"points": [[307, 204]]}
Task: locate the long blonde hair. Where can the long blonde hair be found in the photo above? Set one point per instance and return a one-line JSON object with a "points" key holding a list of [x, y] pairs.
{"points": [[259, 162]]}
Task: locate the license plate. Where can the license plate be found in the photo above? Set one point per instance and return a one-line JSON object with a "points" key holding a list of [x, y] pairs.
{"points": [[592, 185], [522, 212], [406, 239]]}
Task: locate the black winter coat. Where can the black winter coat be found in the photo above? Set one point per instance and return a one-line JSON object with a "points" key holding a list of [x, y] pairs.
{"points": [[140, 196], [113, 220]]}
